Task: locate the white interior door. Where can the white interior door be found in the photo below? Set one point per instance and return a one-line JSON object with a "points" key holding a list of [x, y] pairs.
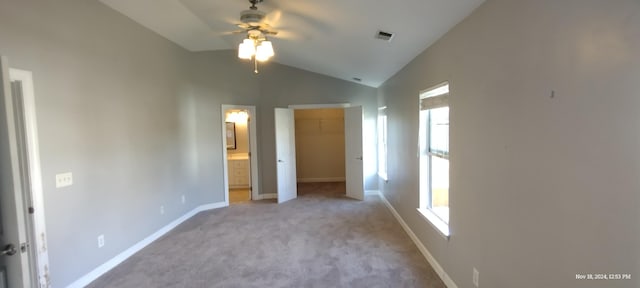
{"points": [[14, 264], [285, 155], [353, 152]]}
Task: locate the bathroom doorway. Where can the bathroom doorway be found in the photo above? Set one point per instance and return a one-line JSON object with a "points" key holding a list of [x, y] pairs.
{"points": [[240, 153]]}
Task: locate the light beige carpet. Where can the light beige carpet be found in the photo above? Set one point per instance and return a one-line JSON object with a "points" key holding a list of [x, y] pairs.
{"points": [[320, 239]]}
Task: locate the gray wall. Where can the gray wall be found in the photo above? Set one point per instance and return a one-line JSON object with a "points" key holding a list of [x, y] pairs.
{"points": [[541, 188], [221, 78], [111, 109], [137, 121]]}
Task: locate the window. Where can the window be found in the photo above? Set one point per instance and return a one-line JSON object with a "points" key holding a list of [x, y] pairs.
{"points": [[434, 156], [382, 143]]}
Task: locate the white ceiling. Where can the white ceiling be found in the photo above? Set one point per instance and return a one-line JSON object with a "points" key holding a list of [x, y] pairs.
{"points": [[331, 37]]}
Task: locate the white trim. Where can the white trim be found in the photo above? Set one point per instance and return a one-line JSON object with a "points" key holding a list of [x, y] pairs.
{"points": [[267, 196], [326, 179], [39, 234], [435, 221], [324, 106], [17, 231], [253, 144], [320, 106], [436, 266], [105, 267], [207, 207], [225, 164]]}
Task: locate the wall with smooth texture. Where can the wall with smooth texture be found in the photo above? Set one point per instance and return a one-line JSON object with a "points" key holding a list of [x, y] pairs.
{"points": [[114, 105], [137, 120], [543, 143]]}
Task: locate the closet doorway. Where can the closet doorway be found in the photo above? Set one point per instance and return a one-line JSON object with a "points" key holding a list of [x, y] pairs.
{"points": [[325, 120]]}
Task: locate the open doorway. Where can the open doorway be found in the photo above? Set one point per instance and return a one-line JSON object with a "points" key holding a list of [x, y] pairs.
{"points": [[320, 151], [240, 153], [286, 150]]}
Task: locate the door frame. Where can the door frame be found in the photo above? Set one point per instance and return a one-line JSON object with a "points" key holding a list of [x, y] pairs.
{"points": [[253, 152], [326, 106], [33, 192]]}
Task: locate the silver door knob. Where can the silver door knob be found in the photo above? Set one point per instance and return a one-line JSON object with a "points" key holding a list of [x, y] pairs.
{"points": [[9, 250], [359, 158]]}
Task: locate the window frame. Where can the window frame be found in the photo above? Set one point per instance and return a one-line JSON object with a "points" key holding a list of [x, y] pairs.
{"points": [[438, 95], [382, 147]]}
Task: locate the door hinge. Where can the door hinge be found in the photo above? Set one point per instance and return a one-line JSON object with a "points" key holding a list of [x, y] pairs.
{"points": [[31, 210]]}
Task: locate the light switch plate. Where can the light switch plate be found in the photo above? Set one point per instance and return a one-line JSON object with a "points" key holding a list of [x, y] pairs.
{"points": [[100, 241], [64, 180]]}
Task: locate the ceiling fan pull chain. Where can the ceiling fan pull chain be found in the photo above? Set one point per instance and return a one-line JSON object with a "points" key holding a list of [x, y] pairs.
{"points": [[255, 63]]}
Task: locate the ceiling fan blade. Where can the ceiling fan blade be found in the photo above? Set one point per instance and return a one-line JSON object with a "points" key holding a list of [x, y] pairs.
{"points": [[228, 33], [243, 25], [289, 35], [273, 17]]}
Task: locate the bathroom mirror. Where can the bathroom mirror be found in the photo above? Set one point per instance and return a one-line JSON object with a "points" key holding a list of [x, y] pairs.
{"points": [[231, 135]]}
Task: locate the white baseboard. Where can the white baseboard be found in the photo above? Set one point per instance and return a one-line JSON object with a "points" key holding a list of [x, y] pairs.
{"points": [[267, 196], [208, 207], [113, 262], [327, 179], [436, 266]]}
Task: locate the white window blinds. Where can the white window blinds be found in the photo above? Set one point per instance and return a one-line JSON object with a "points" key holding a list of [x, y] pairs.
{"points": [[435, 97]]}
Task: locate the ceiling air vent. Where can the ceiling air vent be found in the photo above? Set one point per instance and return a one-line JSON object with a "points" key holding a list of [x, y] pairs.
{"points": [[386, 36]]}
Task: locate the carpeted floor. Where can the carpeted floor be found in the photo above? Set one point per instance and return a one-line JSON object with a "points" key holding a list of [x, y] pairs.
{"points": [[320, 239]]}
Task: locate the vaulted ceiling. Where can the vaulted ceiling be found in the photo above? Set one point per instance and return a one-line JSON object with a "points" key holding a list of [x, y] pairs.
{"points": [[331, 37]]}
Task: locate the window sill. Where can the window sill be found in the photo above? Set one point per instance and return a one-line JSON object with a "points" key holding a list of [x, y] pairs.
{"points": [[435, 221]]}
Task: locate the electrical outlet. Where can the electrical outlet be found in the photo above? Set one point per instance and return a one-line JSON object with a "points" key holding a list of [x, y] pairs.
{"points": [[184, 200], [100, 241], [64, 180], [476, 275], [161, 210]]}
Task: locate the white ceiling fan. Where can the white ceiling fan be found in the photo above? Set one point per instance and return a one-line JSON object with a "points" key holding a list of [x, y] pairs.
{"points": [[254, 19], [255, 46]]}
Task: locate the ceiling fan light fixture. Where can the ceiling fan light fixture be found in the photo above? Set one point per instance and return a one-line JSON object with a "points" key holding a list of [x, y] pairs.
{"points": [[255, 47], [267, 47], [263, 53], [250, 44], [246, 49]]}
